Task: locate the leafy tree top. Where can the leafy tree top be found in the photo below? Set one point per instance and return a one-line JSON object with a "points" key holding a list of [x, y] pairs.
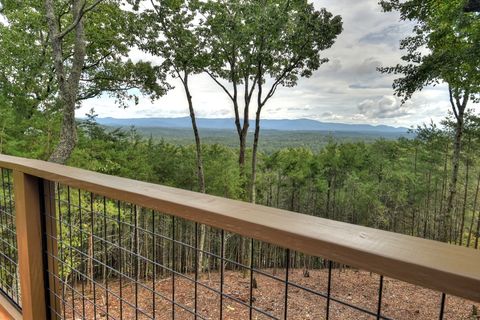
{"points": [[444, 47], [281, 39], [26, 64], [169, 30]]}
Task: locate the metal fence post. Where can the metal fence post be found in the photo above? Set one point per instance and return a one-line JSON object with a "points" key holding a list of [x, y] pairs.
{"points": [[52, 249]]}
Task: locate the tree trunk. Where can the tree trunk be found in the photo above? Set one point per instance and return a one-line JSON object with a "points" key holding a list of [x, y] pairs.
{"points": [[452, 188], [68, 135], [329, 191], [198, 145], [474, 212], [242, 130], [243, 146], [435, 211], [465, 194], [256, 138], [459, 111], [478, 232], [292, 198], [279, 181], [200, 171], [427, 207], [68, 86], [414, 191], [438, 214], [2, 135]]}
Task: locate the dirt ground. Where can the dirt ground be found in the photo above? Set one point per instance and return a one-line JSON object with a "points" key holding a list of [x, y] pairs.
{"points": [[399, 301]]}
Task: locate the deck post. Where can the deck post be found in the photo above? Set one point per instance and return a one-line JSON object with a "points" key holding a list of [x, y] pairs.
{"points": [[30, 248]]}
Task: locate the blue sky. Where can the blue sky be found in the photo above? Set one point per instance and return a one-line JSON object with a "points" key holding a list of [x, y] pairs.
{"points": [[347, 89]]}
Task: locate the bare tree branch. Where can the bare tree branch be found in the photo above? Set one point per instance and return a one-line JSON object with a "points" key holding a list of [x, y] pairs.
{"points": [[96, 63], [450, 93], [220, 84]]}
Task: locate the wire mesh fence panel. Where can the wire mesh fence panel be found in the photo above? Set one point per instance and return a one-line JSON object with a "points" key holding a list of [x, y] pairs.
{"points": [[9, 277], [110, 259]]}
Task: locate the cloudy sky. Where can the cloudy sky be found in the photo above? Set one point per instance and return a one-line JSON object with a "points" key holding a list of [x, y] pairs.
{"points": [[347, 89]]}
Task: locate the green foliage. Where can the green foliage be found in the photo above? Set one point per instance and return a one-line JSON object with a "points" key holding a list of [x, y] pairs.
{"points": [[27, 66], [221, 171], [257, 40], [29, 91], [127, 154], [272, 140], [110, 31], [397, 185], [443, 48], [169, 31], [26, 78]]}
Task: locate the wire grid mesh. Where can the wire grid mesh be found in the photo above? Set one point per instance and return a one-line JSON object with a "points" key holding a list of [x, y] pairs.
{"points": [[9, 280], [109, 259]]}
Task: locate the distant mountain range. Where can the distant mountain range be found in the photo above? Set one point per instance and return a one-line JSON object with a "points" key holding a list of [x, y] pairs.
{"points": [[267, 124]]}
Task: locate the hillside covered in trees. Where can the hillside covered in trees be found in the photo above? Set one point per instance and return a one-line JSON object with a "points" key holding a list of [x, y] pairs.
{"points": [[397, 185]]}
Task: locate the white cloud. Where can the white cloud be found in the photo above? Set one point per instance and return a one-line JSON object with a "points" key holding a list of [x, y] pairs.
{"points": [[347, 89], [384, 107]]}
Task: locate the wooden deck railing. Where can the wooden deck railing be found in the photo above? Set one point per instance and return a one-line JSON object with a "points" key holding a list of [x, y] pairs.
{"points": [[446, 268]]}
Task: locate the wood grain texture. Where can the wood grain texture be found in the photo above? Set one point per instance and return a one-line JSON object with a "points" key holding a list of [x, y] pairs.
{"points": [[8, 311], [439, 266], [29, 240]]}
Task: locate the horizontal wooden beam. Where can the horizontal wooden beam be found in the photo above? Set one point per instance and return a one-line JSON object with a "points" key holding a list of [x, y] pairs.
{"points": [[447, 268], [8, 311]]}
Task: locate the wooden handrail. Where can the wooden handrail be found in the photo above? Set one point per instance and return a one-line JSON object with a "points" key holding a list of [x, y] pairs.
{"points": [[447, 268]]}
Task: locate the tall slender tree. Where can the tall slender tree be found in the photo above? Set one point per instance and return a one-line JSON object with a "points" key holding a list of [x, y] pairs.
{"points": [[443, 49], [228, 35], [257, 45], [282, 56], [171, 34]]}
